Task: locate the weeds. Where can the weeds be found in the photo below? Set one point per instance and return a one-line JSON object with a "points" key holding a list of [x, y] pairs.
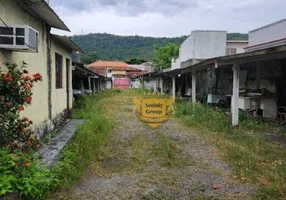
{"points": [[254, 159], [89, 137]]}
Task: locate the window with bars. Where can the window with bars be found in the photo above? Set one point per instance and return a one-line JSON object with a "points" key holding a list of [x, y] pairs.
{"points": [[59, 71], [230, 51]]}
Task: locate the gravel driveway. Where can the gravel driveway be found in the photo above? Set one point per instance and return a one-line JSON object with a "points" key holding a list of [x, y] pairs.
{"points": [[171, 162]]}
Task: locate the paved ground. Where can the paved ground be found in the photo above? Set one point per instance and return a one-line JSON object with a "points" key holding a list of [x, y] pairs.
{"points": [[51, 151], [172, 162]]}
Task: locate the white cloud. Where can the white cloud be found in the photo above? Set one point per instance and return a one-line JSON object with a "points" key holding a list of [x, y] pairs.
{"points": [[167, 17]]}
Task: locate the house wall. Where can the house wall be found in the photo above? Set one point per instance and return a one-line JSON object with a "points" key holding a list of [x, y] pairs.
{"points": [[268, 33], [11, 13], [59, 96], [186, 49], [208, 44], [176, 64], [239, 46], [203, 45]]}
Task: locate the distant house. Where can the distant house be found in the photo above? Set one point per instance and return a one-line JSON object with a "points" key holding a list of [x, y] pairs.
{"points": [[25, 36], [235, 46], [118, 72]]}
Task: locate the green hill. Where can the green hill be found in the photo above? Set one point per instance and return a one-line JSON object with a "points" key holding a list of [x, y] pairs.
{"points": [[114, 47]]}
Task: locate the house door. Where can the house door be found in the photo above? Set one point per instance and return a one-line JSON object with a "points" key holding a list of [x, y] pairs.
{"points": [[68, 87]]}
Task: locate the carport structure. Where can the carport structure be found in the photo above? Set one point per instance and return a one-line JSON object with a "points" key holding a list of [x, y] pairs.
{"points": [[250, 73]]}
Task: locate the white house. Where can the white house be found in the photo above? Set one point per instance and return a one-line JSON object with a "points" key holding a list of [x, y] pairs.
{"points": [[235, 46], [271, 35]]}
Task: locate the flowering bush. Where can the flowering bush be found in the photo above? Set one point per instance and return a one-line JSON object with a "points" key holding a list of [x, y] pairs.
{"points": [[15, 95]]}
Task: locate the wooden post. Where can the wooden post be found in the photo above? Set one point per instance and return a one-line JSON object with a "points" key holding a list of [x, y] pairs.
{"points": [[258, 67], [235, 95], [194, 86], [161, 85], [174, 86]]}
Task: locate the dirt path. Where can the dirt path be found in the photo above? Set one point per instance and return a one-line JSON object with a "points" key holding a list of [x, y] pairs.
{"points": [[172, 162]]}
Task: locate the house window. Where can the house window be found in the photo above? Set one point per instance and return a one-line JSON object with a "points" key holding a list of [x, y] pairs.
{"points": [[59, 71], [230, 51]]}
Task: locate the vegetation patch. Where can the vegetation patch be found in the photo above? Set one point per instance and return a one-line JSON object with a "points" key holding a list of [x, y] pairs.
{"points": [[253, 158], [89, 137]]}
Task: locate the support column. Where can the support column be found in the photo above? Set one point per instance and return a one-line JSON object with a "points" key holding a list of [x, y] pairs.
{"points": [[161, 85], [93, 81], [174, 86], [89, 83], [258, 67], [194, 92], [235, 95]]}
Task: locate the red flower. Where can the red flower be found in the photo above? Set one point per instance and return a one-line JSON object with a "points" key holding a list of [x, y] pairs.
{"points": [[20, 108], [8, 104], [28, 99], [27, 164], [37, 76], [25, 119], [13, 86], [28, 78], [8, 78], [26, 86]]}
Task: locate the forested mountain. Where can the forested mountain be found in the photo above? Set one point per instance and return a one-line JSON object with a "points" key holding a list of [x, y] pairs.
{"points": [[114, 47]]}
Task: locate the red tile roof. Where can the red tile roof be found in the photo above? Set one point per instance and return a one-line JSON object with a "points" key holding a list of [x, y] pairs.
{"points": [[108, 64], [101, 66]]}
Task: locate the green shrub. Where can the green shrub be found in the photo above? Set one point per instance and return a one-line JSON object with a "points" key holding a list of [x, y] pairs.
{"points": [[22, 174], [203, 116]]}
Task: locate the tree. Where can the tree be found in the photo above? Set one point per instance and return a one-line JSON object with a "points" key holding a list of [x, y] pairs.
{"points": [[135, 61], [89, 58], [163, 55]]}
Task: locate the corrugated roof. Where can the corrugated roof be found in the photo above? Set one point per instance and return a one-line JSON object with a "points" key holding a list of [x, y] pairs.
{"points": [[267, 45], [80, 67], [42, 10], [67, 42]]}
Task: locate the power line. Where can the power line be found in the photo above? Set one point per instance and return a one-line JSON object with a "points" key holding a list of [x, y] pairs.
{"points": [[15, 33]]}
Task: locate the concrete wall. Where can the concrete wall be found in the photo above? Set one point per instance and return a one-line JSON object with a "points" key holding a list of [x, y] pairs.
{"points": [[208, 44], [239, 46], [176, 63], [186, 49], [268, 33], [59, 96], [203, 45]]}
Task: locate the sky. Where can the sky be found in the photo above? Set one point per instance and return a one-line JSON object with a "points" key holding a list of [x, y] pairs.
{"points": [[165, 18]]}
